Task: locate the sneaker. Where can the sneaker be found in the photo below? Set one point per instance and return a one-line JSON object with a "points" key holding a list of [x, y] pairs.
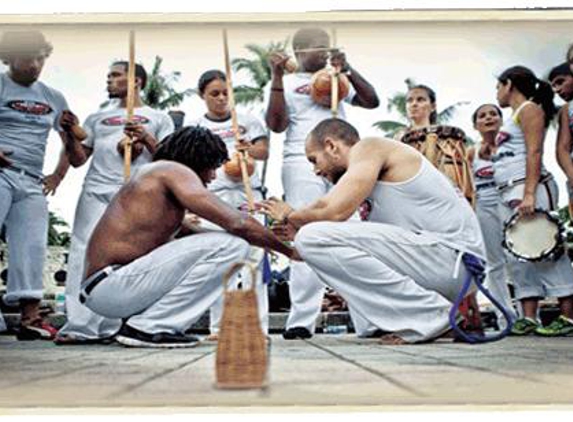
{"points": [[296, 333], [560, 327], [38, 330], [131, 337], [71, 340], [524, 327]]}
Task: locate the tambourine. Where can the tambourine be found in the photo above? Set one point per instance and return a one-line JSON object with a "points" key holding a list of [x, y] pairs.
{"points": [[540, 237]]}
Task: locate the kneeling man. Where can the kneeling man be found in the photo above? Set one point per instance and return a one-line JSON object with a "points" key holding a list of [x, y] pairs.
{"points": [[399, 270], [135, 268]]}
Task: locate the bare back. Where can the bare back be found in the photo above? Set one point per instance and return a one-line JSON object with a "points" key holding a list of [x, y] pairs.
{"points": [[149, 210], [141, 217]]}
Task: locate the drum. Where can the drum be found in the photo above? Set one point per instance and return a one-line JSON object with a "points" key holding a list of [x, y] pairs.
{"points": [[444, 146], [539, 237]]}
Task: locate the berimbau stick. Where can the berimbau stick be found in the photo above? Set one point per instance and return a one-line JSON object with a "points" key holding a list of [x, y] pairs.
{"points": [[334, 82], [243, 154], [129, 105]]}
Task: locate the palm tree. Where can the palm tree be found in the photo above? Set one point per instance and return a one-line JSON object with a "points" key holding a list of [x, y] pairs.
{"points": [[55, 237], [159, 92], [398, 103], [258, 69]]}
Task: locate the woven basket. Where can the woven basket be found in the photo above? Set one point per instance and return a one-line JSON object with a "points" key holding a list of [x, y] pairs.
{"points": [[241, 361]]}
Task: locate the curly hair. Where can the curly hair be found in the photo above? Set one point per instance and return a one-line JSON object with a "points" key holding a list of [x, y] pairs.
{"points": [[195, 147]]}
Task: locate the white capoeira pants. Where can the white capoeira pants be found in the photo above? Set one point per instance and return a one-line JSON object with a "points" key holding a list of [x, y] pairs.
{"points": [[236, 198], [24, 212], [82, 323], [168, 289], [538, 279], [302, 187], [487, 210], [394, 279]]}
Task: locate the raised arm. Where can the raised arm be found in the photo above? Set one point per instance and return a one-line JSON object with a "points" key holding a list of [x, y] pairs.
{"points": [[276, 113], [189, 191], [366, 96]]}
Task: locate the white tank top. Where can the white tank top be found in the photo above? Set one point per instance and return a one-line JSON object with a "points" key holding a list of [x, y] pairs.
{"points": [[511, 156], [429, 205], [483, 179]]}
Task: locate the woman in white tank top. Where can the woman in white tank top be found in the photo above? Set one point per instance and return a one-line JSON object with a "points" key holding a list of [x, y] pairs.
{"points": [[524, 185], [487, 121]]}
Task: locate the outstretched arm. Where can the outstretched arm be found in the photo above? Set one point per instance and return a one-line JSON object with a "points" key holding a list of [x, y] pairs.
{"points": [[190, 192], [366, 96]]}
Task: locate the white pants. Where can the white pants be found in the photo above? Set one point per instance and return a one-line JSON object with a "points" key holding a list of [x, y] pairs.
{"points": [[538, 279], [488, 212], [236, 198], [302, 187], [394, 279], [82, 322], [24, 211], [168, 289]]}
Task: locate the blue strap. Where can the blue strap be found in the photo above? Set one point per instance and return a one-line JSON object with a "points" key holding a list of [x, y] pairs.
{"points": [[476, 272]]}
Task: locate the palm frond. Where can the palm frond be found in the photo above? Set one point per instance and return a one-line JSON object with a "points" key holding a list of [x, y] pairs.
{"points": [[448, 113]]}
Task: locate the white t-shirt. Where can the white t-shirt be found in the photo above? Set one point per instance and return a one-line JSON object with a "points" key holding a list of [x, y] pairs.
{"points": [[105, 130], [27, 113], [250, 128], [303, 113]]}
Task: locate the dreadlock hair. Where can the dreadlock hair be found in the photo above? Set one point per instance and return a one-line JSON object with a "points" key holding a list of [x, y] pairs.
{"points": [[195, 147]]}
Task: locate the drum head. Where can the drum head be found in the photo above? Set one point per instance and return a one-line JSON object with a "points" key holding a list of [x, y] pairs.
{"points": [[532, 238]]}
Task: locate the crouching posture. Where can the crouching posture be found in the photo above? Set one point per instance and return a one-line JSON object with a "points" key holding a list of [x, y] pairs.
{"points": [[400, 268], [135, 268]]}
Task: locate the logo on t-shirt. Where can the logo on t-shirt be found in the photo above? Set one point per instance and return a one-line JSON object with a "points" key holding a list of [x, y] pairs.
{"points": [[122, 120], [365, 209], [303, 89], [501, 138], [227, 132], [485, 172], [30, 107]]}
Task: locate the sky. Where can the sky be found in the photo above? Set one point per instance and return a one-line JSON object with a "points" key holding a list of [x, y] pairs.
{"points": [[460, 60]]}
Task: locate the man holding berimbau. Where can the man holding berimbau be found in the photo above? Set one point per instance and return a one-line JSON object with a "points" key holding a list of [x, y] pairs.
{"points": [[107, 131]]}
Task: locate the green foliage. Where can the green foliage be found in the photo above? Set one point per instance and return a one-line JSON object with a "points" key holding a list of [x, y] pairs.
{"points": [[55, 236], [258, 69], [159, 92], [397, 103]]}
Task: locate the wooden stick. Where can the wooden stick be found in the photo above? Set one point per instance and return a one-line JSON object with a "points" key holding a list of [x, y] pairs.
{"points": [[129, 105], [334, 81], [244, 154]]}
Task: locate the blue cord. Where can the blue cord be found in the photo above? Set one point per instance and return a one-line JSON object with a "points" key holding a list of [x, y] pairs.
{"points": [[476, 272]]}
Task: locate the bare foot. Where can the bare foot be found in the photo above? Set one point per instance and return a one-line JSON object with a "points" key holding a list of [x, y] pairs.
{"points": [[392, 340], [212, 337]]}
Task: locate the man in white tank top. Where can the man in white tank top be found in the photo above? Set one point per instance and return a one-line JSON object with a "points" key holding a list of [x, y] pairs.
{"points": [[400, 269]]}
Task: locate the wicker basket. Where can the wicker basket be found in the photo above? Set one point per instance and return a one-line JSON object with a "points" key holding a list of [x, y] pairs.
{"points": [[241, 350]]}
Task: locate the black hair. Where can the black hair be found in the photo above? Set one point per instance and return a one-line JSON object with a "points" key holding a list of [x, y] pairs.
{"points": [[525, 81], [562, 69], [432, 96], [195, 147], [139, 71], [23, 43], [475, 115], [301, 38], [208, 77], [337, 128]]}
